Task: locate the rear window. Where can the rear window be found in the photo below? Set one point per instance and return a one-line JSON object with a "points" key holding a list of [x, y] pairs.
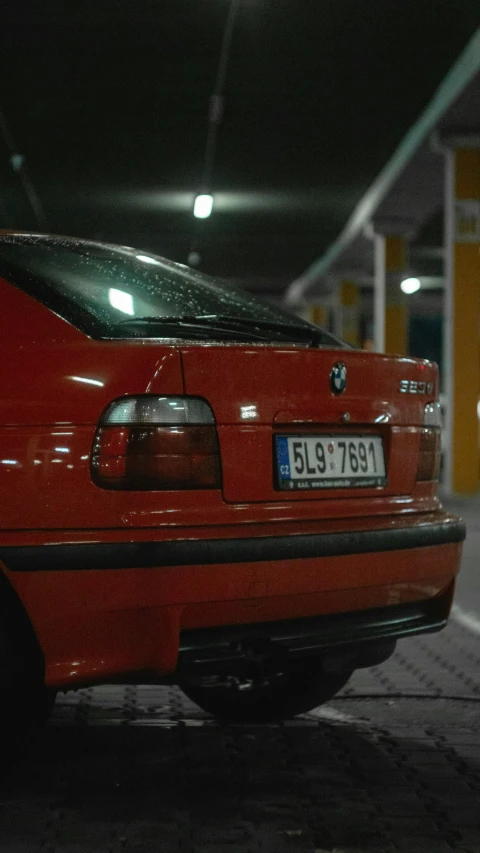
{"points": [[101, 289]]}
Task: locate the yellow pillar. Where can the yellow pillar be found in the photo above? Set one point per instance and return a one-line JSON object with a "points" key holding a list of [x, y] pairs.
{"points": [[349, 299], [463, 318], [319, 315], [396, 316], [316, 313]]}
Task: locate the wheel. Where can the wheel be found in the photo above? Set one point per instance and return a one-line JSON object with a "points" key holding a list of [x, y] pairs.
{"points": [[25, 706], [25, 702], [263, 699], [23, 711]]}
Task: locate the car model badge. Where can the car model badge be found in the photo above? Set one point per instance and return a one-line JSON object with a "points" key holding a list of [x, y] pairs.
{"points": [[338, 378]]}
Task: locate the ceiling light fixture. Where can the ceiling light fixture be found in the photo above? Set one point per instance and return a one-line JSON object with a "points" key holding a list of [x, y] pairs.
{"points": [[410, 285], [203, 206]]}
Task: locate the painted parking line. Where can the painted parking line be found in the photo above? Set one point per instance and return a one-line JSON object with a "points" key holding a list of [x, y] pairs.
{"points": [[466, 619]]}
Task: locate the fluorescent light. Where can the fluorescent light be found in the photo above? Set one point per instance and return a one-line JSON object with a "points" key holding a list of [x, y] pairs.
{"points": [[203, 206], [87, 381], [120, 300], [410, 285]]}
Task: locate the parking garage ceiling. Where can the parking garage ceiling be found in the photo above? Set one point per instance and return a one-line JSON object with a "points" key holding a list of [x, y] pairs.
{"points": [[108, 104]]}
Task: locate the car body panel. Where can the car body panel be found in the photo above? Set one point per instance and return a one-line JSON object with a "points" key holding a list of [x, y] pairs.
{"points": [[58, 376], [292, 384], [95, 624], [258, 392]]}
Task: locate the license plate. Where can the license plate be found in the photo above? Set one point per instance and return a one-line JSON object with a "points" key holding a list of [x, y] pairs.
{"points": [[330, 461]]}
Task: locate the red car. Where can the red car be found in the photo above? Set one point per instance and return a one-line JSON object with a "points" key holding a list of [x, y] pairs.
{"points": [[197, 487]]}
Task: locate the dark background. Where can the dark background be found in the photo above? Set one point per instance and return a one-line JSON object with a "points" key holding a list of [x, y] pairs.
{"points": [[108, 102]]}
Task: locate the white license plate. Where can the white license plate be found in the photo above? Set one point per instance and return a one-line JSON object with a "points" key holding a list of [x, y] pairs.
{"points": [[330, 461]]}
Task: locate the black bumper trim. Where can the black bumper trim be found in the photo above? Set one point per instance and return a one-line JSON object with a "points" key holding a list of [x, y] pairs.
{"points": [[189, 552], [353, 632]]}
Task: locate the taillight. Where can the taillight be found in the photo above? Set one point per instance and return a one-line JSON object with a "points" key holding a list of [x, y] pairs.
{"points": [[157, 443], [430, 444], [429, 462]]}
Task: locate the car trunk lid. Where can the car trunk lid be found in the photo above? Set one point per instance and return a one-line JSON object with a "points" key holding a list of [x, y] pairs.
{"points": [[259, 393]]}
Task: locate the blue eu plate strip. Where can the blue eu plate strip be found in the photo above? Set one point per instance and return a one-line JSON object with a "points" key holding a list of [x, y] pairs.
{"points": [[283, 462]]}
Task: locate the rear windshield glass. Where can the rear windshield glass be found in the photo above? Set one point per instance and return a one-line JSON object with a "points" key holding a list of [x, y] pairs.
{"points": [[108, 291]]}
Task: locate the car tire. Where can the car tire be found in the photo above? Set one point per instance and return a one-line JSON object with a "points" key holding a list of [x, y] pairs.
{"points": [[265, 700], [25, 701], [26, 706]]}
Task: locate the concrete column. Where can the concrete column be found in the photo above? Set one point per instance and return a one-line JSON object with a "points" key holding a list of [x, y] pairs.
{"points": [[379, 292], [349, 312], [320, 315], [316, 313], [396, 315], [462, 318], [390, 305]]}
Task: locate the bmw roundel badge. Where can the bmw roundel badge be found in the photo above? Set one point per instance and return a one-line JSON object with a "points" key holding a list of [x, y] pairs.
{"points": [[338, 378]]}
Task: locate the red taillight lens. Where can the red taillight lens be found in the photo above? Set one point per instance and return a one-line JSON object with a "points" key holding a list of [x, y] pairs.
{"points": [[151, 456], [429, 461]]}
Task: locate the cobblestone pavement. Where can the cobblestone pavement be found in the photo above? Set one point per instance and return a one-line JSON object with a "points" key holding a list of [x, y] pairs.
{"points": [[392, 764]]}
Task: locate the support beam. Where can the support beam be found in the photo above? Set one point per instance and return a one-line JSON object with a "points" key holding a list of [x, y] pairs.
{"points": [[379, 292], [457, 79], [462, 319], [349, 312], [318, 313], [390, 317], [396, 316]]}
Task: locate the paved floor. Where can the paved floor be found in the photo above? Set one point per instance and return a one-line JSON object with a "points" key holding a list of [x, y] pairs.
{"points": [[392, 764], [468, 585]]}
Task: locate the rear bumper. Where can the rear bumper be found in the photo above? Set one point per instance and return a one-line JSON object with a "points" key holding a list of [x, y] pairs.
{"points": [[353, 639], [110, 609], [206, 552]]}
